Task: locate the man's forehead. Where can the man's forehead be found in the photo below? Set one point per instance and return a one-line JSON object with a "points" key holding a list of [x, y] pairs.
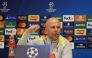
{"points": [[52, 21], [54, 24]]}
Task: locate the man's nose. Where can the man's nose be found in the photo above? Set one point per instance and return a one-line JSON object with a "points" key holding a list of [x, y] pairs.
{"points": [[56, 28]]}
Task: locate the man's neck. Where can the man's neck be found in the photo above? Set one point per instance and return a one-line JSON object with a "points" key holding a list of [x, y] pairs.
{"points": [[52, 39]]}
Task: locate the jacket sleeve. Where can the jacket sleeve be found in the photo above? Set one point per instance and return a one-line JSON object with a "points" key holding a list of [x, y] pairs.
{"points": [[24, 38], [67, 52]]}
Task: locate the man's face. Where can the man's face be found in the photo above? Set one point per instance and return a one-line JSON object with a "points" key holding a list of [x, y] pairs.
{"points": [[53, 29]]}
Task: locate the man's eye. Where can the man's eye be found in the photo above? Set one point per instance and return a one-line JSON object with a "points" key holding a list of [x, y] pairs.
{"points": [[52, 27], [58, 27]]}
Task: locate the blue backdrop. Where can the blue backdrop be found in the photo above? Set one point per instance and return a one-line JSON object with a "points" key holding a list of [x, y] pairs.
{"points": [[64, 7]]}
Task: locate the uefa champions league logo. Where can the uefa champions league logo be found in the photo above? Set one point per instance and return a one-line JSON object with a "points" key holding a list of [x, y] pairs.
{"points": [[51, 4], [4, 4], [32, 52]]}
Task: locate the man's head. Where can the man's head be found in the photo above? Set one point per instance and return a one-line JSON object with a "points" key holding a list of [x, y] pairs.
{"points": [[53, 28]]}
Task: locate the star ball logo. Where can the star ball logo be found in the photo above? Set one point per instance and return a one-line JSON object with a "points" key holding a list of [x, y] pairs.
{"points": [[51, 9], [68, 24], [89, 31], [44, 18], [22, 24], [4, 9], [32, 52]]}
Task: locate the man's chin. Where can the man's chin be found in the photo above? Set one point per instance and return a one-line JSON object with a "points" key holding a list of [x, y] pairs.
{"points": [[55, 38]]}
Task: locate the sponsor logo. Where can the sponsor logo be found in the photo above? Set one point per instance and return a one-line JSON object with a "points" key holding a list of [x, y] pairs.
{"points": [[20, 31], [1, 45], [32, 23], [2, 31], [51, 9], [80, 38], [89, 24], [89, 38], [80, 45], [10, 17], [1, 24], [10, 24], [7, 37], [68, 31], [68, 17], [22, 18], [89, 18], [1, 37], [80, 25], [1, 17], [72, 45], [80, 31], [58, 17], [44, 18], [70, 38], [89, 45], [43, 32], [89, 31], [33, 18], [81, 18], [4, 9], [42, 24], [22, 24], [10, 31], [68, 24]]}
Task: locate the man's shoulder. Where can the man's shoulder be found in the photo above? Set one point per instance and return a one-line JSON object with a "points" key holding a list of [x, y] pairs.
{"points": [[66, 41], [63, 41]]}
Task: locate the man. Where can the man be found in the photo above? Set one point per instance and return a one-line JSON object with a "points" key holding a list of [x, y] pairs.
{"points": [[59, 46]]}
